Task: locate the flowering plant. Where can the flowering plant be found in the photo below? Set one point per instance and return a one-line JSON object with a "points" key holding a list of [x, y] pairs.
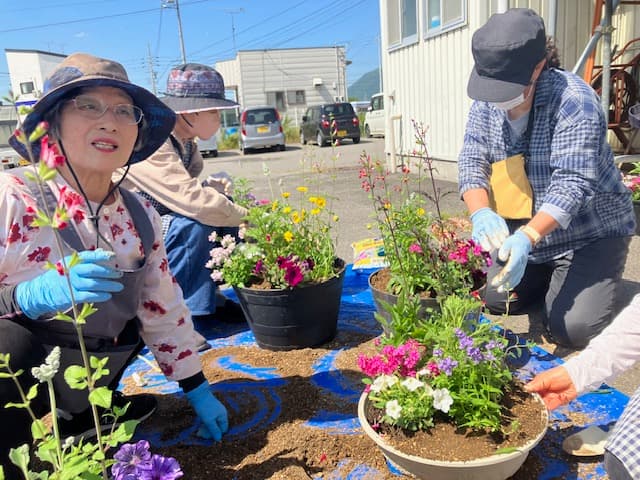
{"points": [[631, 180], [447, 367], [287, 243], [134, 461], [425, 251]]}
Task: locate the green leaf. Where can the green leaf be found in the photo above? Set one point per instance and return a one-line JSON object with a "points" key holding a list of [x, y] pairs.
{"points": [[87, 310], [123, 433], [33, 392], [101, 397], [506, 450], [38, 430], [64, 317], [20, 457], [16, 405], [76, 377]]}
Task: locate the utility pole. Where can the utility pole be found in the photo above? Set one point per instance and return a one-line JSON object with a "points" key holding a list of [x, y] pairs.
{"points": [[152, 73], [174, 4], [233, 25]]}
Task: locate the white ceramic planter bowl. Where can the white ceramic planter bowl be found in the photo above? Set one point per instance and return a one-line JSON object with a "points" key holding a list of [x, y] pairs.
{"points": [[495, 467]]}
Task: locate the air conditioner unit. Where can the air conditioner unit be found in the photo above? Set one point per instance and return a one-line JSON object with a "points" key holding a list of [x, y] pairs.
{"points": [[317, 81]]}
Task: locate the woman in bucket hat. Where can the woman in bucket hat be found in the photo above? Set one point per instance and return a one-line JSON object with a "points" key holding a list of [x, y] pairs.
{"points": [[192, 210], [538, 177], [98, 121]]}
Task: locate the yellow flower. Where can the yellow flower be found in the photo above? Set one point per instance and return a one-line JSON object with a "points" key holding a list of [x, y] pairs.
{"points": [[302, 189], [286, 194], [336, 218], [315, 211], [321, 202], [313, 199], [288, 236], [295, 216], [274, 206], [286, 210], [420, 211]]}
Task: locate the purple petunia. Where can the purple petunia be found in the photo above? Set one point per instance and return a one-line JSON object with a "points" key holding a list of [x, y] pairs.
{"points": [[134, 462], [162, 468]]}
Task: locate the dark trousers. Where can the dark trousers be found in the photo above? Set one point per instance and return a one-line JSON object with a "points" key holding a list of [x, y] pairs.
{"points": [[27, 351], [578, 291]]}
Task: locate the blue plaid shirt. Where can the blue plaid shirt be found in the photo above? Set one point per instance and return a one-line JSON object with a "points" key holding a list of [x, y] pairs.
{"points": [[567, 159]]}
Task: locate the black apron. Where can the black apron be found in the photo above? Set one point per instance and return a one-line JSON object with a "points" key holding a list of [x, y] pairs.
{"points": [[110, 332]]}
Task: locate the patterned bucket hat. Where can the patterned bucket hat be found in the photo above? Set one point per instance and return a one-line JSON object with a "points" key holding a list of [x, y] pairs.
{"points": [[194, 87], [83, 70]]}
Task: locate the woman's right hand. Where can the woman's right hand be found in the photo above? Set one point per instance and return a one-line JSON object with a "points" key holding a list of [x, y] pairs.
{"points": [[92, 280], [554, 386]]}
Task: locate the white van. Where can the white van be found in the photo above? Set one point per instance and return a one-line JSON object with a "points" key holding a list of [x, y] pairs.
{"points": [[208, 147], [374, 119]]}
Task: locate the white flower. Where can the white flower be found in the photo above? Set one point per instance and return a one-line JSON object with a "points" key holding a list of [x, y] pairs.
{"points": [[49, 368], [442, 399], [412, 384], [393, 409], [383, 382]]}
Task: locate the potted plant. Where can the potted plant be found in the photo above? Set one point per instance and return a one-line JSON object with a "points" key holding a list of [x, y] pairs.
{"points": [[631, 178], [286, 273], [442, 403], [428, 254]]}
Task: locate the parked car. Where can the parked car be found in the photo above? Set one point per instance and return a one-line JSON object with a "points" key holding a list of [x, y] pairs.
{"points": [[374, 119], [208, 147], [260, 127], [321, 123]]}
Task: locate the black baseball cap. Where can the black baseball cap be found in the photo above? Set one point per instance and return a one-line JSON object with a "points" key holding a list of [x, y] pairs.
{"points": [[506, 51]]}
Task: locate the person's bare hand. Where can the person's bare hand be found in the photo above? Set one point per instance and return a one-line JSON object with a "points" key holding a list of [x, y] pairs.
{"points": [[554, 386]]}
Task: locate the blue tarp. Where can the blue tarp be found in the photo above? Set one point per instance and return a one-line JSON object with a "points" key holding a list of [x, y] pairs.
{"points": [[356, 315]]}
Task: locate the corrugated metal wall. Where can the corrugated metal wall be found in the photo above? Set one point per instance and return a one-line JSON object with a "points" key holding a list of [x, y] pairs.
{"points": [[256, 72], [427, 81]]}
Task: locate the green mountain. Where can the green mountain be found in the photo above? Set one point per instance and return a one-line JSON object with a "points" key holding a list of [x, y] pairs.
{"points": [[365, 86]]}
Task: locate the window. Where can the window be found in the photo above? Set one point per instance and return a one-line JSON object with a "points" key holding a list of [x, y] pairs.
{"points": [[402, 22], [444, 15], [296, 97], [276, 99], [377, 103], [27, 87]]}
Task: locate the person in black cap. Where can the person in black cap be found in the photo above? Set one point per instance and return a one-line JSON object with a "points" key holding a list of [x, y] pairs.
{"points": [[98, 121], [192, 210], [538, 178]]}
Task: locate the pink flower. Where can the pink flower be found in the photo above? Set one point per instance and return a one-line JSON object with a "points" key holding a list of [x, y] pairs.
{"points": [[50, 154], [415, 248]]}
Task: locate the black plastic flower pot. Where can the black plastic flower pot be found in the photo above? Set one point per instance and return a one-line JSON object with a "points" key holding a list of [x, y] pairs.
{"points": [[300, 317]]}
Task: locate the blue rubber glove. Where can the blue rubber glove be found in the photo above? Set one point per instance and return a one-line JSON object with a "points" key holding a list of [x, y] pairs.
{"points": [[212, 413], [92, 281], [489, 229], [515, 251]]}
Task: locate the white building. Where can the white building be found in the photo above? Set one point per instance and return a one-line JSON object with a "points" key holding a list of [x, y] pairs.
{"points": [[27, 71], [426, 62], [289, 79]]}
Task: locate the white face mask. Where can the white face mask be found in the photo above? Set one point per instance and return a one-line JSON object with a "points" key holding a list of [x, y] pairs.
{"points": [[510, 104]]}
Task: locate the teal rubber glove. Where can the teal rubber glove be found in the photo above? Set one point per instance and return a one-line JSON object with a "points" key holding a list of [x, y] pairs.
{"points": [[489, 229], [92, 281], [212, 413], [515, 251]]}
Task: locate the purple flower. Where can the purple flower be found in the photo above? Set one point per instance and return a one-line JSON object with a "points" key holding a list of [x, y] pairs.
{"points": [[162, 468], [464, 341], [133, 454], [475, 355], [447, 365]]}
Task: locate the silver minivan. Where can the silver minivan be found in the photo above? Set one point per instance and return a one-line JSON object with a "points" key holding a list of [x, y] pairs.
{"points": [[260, 127], [374, 118]]}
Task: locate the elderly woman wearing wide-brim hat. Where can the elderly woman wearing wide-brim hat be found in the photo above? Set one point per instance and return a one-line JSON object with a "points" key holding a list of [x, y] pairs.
{"points": [[192, 209], [99, 121]]}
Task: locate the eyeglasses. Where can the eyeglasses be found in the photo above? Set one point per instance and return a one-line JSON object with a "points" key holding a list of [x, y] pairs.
{"points": [[90, 107]]}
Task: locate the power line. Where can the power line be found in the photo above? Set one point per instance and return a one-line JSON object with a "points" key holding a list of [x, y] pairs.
{"points": [[92, 19]]}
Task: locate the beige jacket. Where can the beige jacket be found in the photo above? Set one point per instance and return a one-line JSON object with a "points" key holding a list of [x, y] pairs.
{"points": [[164, 177]]}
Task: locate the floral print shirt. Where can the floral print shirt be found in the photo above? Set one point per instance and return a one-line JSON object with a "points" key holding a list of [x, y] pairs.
{"points": [[165, 321]]}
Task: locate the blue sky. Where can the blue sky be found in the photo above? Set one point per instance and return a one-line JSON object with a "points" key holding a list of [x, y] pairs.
{"points": [[133, 31]]}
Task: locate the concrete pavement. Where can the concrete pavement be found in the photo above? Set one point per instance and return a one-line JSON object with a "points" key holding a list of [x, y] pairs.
{"points": [[340, 165]]}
